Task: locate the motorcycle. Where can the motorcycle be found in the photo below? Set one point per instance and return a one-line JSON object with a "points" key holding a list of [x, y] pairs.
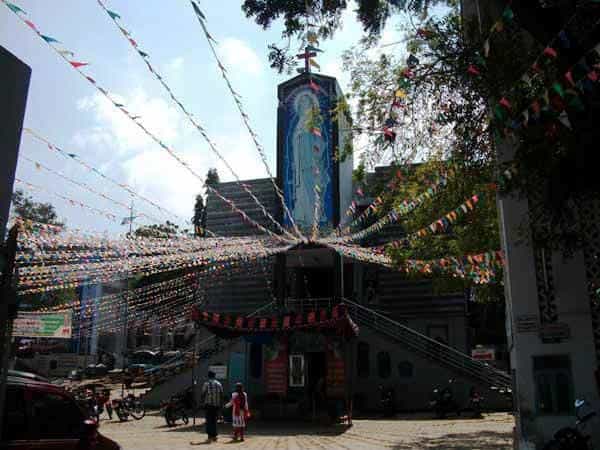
{"points": [[88, 402], [129, 405], [573, 438], [387, 401], [177, 408], [443, 401]]}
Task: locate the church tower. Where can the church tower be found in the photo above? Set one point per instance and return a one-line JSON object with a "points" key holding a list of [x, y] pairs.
{"points": [[314, 168]]}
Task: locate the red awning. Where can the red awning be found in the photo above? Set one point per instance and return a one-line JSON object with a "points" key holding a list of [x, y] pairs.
{"points": [[334, 321]]}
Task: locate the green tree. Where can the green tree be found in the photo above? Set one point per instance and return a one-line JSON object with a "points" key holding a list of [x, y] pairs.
{"points": [[164, 230], [372, 14], [198, 218], [212, 177], [25, 207]]}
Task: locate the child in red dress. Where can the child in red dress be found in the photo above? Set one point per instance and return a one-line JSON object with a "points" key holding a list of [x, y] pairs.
{"points": [[240, 412]]}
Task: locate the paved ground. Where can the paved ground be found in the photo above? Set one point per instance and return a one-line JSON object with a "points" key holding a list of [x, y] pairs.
{"points": [[494, 432]]}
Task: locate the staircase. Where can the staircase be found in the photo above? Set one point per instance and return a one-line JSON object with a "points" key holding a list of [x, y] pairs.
{"points": [[173, 383], [429, 348]]}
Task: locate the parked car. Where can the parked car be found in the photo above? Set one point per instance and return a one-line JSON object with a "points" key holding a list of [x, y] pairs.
{"points": [[96, 370], [76, 374], [44, 416]]}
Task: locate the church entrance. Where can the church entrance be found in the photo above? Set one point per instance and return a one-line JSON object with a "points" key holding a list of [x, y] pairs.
{"points": [[316, 379], [314, 282]]}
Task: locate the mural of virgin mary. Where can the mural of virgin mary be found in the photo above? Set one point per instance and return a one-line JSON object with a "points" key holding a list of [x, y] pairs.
{"points": [[310, 162]]}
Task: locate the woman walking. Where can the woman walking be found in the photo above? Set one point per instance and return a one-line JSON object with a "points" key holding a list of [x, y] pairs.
{"points": [[240, 412]]}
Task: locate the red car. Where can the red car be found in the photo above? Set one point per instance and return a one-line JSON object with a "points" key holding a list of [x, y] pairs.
{"points": [[41, 415]]}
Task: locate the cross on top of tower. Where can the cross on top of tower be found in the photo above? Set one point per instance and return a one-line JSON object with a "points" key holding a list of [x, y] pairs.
{"points": [[310, 50]]}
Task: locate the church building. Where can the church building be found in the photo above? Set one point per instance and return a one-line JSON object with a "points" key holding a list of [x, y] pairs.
{"points": [[407, 339]]}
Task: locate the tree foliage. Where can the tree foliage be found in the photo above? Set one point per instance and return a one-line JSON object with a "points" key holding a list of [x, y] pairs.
{"points": [[163, 230], [372, 15], [452, 100], [199, 217], [25, 207], [212, 177]]}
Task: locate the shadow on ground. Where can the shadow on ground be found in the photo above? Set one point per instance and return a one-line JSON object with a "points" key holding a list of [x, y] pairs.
{"points": [[266, 429], [488, 440]]}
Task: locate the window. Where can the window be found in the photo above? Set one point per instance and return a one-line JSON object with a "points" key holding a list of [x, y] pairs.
{"points": [[384, 364], [554, 384], [54, 416], [405, 369], [15, 420], [256, 360], [362, 360]]}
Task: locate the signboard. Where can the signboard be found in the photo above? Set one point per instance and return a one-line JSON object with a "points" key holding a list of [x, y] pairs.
{"points": [[554, 332], [484, 354], [219, 370], [527, 323], [49, 325], [276, 367], [335, 368], [296, 370]]}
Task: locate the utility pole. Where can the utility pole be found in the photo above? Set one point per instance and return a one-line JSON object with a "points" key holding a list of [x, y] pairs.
{"points": [[124, 310]]}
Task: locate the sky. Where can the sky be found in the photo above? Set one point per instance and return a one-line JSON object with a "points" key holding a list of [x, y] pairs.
{"points": [[70, 113]]}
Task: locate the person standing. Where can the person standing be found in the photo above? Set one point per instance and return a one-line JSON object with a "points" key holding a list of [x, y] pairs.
{"points": [[212, 397], [240, 411]]}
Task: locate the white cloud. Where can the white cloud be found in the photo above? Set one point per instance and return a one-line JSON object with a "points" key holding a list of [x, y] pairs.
{"points": [[150, 168], [163, 120], [159, 176], [238, 55], [175, 65]]}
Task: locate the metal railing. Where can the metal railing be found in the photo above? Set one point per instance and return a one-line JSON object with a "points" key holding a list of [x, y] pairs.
{"points": [[304, 304], [428, 347]]}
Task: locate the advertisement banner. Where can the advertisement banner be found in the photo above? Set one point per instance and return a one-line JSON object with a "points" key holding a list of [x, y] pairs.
{"points": [[276, 362], [48, 325]]}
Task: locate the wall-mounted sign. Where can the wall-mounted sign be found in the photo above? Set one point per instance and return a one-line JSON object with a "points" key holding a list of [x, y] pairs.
{"points": [[296, 370], [276, 366], [48, 325], [484, 354], [220, 371], [527, 323], [552, 333]]}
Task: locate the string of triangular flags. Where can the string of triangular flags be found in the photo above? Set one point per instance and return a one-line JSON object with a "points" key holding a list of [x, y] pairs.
{"points": [[480, 268], [314, 235], [544, 64], [106, 214], [237, 98], [145, 57], [134, 118], [39, 166], [397, 212], [553, 99], [437, 226], [76, 158], [35, 279], [388, 191], [245, 217]]}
